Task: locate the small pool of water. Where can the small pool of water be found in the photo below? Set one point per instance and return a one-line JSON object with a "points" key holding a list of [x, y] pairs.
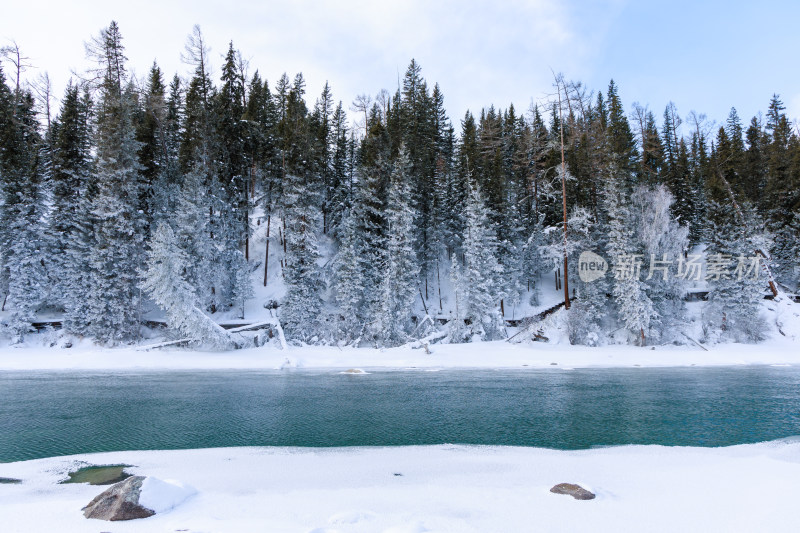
{"points": [[61, 413]]}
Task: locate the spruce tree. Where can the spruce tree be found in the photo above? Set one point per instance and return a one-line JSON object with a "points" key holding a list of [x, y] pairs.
{"points": [[400, 271], [587, 313], [477, 279], [23, 277], [232, 166], [737, 281], [116, 254], [621, 141], [302, 304], [70, 218], [348, 281], [633, 306]]}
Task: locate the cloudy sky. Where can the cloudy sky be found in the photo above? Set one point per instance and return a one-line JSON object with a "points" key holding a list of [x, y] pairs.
{"points": [[705, 57]]}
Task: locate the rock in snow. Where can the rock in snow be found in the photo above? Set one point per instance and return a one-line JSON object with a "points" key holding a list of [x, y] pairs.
{"points": [[138, 497], [576, 491], [119, 502]]}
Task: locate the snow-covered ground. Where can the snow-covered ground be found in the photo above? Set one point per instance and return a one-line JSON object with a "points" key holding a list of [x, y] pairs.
{"points": [[431, 488], [498, 354], [782, 347]]}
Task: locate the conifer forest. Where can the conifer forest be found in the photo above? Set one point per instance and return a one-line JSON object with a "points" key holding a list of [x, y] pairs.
{"points": [[382, 220]]}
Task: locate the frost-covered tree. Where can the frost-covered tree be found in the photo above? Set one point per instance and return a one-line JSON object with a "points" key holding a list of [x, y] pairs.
{"points": [[27, 286], [21, 237], [348, 280], [401, 270], [164, 281], [191, 222], [302, 304], [734, 270], [532, 263], [69, 220], [119, 224], [786, 252], [242, 284], [664, 243], [633, 306], [476, 281], [369, 209], [587, 313]]}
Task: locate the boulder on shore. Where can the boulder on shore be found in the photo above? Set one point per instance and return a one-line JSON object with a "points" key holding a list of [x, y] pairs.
{"points": [[119, 502], [576, 491]]}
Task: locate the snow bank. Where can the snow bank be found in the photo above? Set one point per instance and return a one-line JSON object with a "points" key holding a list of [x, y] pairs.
{"points": [[432, 488], [161, 495], [779, 350]]}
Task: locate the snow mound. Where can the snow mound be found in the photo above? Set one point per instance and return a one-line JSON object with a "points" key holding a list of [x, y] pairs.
{"points": [[162, 495]]}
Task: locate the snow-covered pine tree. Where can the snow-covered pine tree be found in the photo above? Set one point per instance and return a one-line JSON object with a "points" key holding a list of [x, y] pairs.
{"points": [[242, 284], [163, 280], [302, 305], [191, 222], [226, 243], [477, 280], [341, 187], [738, 285], [633, 306], [532, 264], [117, 250], [786, 252], [70, 174], [664, 243], [369, 211], [401, 269], [348, 281], [21, 211], [233, 167], [587, 312]]}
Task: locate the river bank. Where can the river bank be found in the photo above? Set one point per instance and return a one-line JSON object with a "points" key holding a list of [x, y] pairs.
{"points": [[430, 488]]}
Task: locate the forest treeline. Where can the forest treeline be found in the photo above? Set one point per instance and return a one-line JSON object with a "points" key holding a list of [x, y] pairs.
{"points": [[141, 192]]}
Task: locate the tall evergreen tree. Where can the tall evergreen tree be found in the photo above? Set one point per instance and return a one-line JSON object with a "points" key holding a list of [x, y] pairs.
{"points": [[348, 281], [70, 218], [400, 272], [634, 308], [116, 255], [734, 275], [22, 276], [476, 283], [621, 142], [302, 304]]}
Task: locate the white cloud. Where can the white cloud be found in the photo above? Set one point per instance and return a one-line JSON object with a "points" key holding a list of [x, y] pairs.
{"points": [[480, 53]]}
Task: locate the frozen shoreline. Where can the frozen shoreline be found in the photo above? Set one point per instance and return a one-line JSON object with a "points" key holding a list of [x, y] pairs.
{"points": [[440, 488], [475, 355]]}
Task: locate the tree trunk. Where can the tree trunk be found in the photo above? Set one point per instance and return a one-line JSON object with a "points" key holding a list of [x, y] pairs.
{"points": [[423, 301], [563, 195], [266, 255], [439, 283]]}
